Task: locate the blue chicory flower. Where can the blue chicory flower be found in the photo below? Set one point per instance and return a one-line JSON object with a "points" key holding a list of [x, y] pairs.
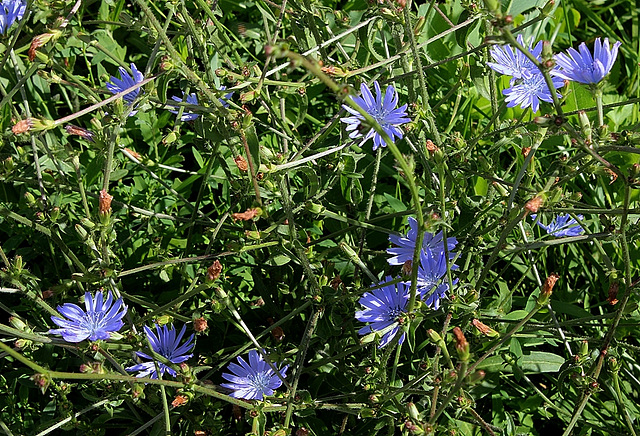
{"points": [[382, 109], [382, 308], [193, 99], [253, 380], [582, 67], [100, 319], [562, 225], [431, 272], [167, 344], [530, 90], [512, 62], [11, 11], [405, 245], [125, 82], [528, 86]]}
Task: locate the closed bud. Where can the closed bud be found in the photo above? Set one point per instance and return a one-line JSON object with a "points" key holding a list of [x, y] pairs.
{"points": [[462, 346], [544, 121], [417, 30], [547, 50], [82, 232], [547, 289], [17, 323], [548, 8], [413, 411], [31, 200], [55, 214], [485, 329], [585, 126], [434, 336], [214, 271]]}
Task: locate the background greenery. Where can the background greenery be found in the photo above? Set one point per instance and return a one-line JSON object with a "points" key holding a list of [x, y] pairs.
{"points": [[293, 274]]}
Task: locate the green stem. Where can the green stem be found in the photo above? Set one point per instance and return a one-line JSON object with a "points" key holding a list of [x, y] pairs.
{"points": [[461, 376]]}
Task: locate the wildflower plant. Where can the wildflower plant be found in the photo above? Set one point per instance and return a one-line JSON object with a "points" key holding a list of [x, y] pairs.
{"points": [[125, 82], [267, 227], [166, 342], [562, 226], [528, 86], [253, 380], [382, 109], [99, 320], [583, 67], [383, 308]]}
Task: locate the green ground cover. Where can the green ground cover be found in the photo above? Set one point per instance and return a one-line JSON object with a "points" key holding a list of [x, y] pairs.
{"points": [[249, 203]]}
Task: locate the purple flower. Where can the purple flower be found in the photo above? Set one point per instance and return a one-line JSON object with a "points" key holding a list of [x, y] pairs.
{"points": [[125, 83], [406, 245], [582, 67], [512, 62], [530, 90], [562, 225], [100, 319], [430, 284], [382, 109], [193, 99], [10, 12], [253, 380], [382, 308], [166, 344]]}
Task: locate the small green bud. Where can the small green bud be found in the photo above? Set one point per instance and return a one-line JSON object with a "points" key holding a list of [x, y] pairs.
{"points": [[413, 411], [17, 323], [585, 126]]}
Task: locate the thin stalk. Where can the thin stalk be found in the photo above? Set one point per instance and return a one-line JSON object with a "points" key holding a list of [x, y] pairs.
{"points": [[461, 376], [297, 370], [424, 93]]}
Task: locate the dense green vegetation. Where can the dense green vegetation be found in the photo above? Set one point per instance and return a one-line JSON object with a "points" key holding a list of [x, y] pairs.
{"points": [[262, 225]]}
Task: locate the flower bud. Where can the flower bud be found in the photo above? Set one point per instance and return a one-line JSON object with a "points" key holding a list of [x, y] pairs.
{"points": [[413, 411], [17, 323], [485, 329], [585, 126], [462, 346], [547, 289], [214, 271]]}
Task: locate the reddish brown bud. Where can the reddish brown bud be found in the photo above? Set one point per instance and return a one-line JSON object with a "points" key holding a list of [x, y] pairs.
{"points": [[431, 147], [613, 293], [241, 163], [22, 126], [534, 204], [214, 271], [133, 153], [462, 346], [406, 267], [526, 151], [200, 324], [179, 401], [247, 215], [335, 282], [104, 204], [547, 288], [484, 329]]}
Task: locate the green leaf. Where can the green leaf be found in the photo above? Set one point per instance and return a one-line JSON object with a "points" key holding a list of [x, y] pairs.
{"points": [[533, 363]]}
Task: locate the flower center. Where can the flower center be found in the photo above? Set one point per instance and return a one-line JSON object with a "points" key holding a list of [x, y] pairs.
{"points": [[260, 381], [92, 322], [394, 313]]}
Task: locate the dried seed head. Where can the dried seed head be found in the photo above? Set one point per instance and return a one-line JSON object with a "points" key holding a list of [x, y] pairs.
{"points": [[104, 204], [534, 204], [241, 163], [247, 215], [83, 133], [214, 271], [179, 401], [22, 126], [200, 324]]}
